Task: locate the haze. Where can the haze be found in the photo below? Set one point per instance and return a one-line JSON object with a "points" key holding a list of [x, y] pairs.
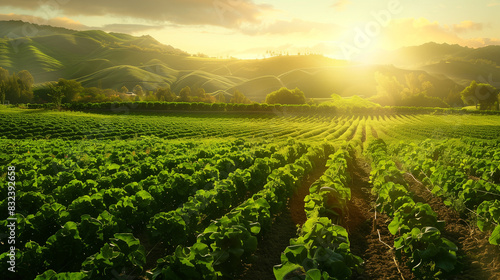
{"points": [[343, 29]]}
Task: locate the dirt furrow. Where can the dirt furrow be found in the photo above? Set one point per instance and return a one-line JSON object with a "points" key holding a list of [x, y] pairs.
{"points": [[478, 259], [364, 230], [284, 228]]}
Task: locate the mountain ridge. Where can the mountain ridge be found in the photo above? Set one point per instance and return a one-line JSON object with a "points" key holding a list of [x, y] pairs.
{"points": [[113, 60]]}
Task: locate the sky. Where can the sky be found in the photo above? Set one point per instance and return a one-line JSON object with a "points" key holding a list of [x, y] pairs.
{"points": [[342, 29]]}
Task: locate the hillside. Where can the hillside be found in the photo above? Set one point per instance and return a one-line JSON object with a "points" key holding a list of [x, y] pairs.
{"points": [[461, 64], [113, 60]]}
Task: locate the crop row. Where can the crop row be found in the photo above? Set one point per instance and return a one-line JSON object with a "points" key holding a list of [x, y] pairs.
{"points": [[322, 249], [75, 126], [82, 216], [449, 179], [230, 240], [416, 225], [176, 226]]}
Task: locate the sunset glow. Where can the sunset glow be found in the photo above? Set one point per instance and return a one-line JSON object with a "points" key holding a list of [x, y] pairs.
{"points": [[344, 29]]}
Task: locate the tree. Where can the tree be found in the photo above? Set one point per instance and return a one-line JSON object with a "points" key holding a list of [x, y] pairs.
{"points": [[25, 81], [4, 74], [239, 98], [165, 94], [124, 89], [483, 95], [93, 94], [286, 96], [4, 78], [185, 94], [71, 89], [416, 85], [138, 90], [200, 95], [422, 100], [41, 92], [221, 98], [56, 93], [16, 88], [389, 89], [13, 90], [3, 89]]}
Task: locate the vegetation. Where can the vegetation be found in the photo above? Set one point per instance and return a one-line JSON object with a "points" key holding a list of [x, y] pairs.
{"points": [[206, 188], [103, 60], [286, 96], [16, 88], [162, 165], [482, 95]]}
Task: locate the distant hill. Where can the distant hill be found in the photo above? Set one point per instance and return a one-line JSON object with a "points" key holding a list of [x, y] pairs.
{"points": [[454, 62], [17, 29], [113, 60], [421, 55]]}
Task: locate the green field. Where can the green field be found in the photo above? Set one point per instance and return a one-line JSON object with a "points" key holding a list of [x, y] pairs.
{"points": [[250, 196]]}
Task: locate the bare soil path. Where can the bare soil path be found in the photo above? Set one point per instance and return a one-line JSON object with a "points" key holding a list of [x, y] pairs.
{"points": [[284, 228], [364, 230]]}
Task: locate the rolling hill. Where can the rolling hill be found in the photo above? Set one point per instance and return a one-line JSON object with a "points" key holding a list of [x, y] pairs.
{"points": [[113, 60]]}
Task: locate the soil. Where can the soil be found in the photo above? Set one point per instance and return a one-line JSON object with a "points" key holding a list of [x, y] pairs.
{"points": [[364, 229], [284, 228], [479, 259], [369, 236]]}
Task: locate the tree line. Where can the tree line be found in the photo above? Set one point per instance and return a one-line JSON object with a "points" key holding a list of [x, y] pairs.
{"points": [[19, 87], [16, 87], [414, 91]]}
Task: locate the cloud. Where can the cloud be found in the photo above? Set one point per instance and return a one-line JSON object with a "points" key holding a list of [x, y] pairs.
{"points": [[493, 4], [340, 5], [130, 28], [482, 42], [57, 21], [467, 25], [76, 25], [226, 13], [416, 31], [289, 27], [67, 23]]}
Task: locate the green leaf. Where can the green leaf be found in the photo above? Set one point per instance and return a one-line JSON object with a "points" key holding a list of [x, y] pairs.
{"points": [[113, 166], [314, 274], [295, 253], [255, 228], [52, 275], [446, 262], [126, 242], [107, 251], [394, 225], [236, 251], [200, 249], [46, 275], [250, 244], [282, 271], [220, 257], [451, 246], [495, 236]]}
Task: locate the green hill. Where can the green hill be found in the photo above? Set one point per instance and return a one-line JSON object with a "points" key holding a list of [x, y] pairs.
{"points": [[124, 75], [17, 29], [113, 60]]}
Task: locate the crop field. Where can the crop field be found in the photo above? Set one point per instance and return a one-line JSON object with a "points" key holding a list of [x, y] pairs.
{"points": [[249, 196]]}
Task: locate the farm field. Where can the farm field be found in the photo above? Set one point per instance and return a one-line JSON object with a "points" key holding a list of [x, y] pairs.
{"points": [[250, 196]]}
